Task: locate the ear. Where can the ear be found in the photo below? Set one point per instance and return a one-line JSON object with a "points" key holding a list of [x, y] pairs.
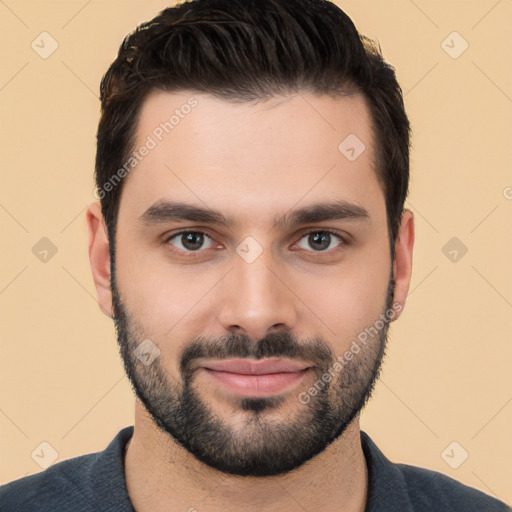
{"points": [[99, 256], [402, 266]]}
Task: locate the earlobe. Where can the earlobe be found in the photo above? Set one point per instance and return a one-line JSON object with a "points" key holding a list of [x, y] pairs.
{"points": [[99, 256], [402, 265]]}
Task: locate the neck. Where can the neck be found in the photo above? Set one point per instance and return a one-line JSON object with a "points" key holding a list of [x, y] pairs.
{"points": [[162, 475]]}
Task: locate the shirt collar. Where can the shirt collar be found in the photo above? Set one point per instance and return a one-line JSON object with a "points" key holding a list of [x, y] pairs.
{"points": [[107, 475], [387, 488]]}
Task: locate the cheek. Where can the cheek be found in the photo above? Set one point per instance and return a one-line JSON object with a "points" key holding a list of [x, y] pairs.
{"points": [[347, 299], [163, 297], [349, 308]]}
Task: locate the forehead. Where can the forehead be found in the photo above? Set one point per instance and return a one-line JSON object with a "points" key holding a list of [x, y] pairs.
{"points": [[252, 160]]}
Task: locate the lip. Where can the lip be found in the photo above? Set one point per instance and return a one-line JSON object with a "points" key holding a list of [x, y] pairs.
{"points": [[256, 367], [262, 385], [251, 378]]}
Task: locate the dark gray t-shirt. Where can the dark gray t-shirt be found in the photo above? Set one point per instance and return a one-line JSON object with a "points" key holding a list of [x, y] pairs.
{"points": [[96, 483]]}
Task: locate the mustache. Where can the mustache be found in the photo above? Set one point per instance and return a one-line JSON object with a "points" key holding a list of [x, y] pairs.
{"points": [[276, 344]]}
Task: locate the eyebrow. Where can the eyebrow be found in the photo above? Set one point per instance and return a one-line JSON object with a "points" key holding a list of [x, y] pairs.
{"points": [[172, 211]]}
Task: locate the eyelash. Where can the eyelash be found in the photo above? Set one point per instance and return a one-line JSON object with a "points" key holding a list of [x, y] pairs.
{"points": [[191, 254]]}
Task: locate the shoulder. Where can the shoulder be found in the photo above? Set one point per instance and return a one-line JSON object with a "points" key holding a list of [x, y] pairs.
{"points": [[58, 488], [395, 486], [430, 490], [93, 482]]}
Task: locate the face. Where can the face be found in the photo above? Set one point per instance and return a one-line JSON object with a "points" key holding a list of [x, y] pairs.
{"points": [[252, 285]]}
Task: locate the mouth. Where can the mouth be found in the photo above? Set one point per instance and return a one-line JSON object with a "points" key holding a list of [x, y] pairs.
{"points": [[256, 378], [256, 367]]}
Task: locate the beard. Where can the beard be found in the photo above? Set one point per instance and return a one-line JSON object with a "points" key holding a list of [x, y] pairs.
{"points": [[262, 446]]}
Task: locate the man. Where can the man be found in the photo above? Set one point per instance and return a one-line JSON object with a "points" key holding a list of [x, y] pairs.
{"points": [[252, 247]]}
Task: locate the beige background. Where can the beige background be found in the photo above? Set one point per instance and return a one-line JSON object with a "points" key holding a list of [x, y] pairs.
{"points": [[447, 375]]}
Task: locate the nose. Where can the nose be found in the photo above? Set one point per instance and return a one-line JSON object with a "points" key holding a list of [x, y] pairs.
{"points": [[257, 299]]}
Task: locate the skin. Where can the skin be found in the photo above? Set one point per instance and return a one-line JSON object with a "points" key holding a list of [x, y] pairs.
{"points": [[252, 162]]}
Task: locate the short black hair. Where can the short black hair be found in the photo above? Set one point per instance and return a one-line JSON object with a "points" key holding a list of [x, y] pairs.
{"points": [[249, 51]]}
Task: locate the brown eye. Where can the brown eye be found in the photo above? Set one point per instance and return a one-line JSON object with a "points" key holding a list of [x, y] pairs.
{"points": [[189, 241]]}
